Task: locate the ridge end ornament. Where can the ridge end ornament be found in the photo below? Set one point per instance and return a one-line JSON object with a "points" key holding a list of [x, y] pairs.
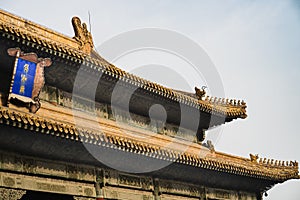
{"points": [[27, 79], [200, 93], [82, 35]]}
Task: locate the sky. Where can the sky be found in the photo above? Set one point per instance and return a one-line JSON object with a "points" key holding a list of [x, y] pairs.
{"points": [[254, 46]]}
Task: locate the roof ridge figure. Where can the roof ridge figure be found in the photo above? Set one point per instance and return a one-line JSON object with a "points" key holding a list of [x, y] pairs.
{"points": [[82, 35]]}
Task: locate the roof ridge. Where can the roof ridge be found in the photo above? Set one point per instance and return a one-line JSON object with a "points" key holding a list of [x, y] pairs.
{"points": [[213, 105], [38, 29]]}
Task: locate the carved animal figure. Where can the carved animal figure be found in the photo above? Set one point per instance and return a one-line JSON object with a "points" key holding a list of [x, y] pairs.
{"points": [[253, 158], [209, 145], [200, 93], [82, 35]]}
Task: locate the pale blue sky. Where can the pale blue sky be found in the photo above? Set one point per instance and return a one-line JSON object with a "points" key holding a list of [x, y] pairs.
{"points": [[255, 46]]}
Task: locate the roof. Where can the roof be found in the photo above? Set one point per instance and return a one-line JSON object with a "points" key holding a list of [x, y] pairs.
{"points": [[46, 122], [45, 40], [114, 138]]}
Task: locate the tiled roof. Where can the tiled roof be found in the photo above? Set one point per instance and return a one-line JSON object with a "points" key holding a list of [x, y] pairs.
{"points": [[275, 171], [61, 46]]}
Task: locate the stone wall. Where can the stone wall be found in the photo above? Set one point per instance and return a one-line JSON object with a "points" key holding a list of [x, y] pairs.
{"points": [[19, 174]]}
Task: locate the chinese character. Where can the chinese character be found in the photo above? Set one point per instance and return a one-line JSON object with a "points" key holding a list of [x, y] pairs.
{"points": [[23, 78], [22, 89], [26, 68]]}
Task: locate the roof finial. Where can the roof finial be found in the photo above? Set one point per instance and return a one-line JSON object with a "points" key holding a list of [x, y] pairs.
{"points": [[82, 35], [200, 93], [253, 158]]}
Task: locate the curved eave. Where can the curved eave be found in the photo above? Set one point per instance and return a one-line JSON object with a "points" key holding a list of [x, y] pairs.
{"points": [[229, 110], [213, 161]]}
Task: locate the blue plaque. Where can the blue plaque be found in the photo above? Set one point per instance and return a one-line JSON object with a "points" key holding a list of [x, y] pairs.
{"points": [[24, 78]]}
